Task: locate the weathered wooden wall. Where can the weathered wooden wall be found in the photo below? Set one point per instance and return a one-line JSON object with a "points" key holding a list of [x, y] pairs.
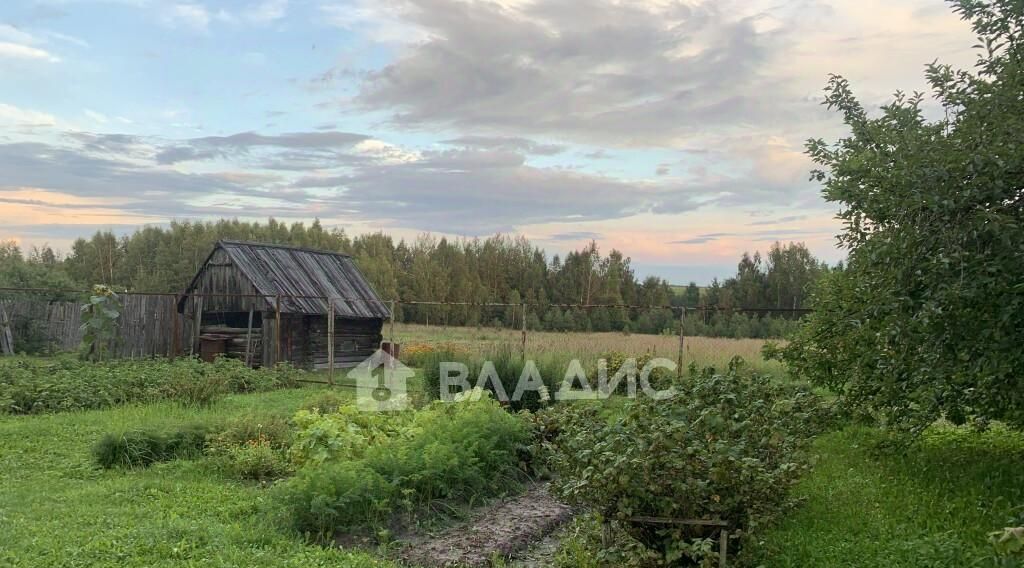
{"points": [[354, 341], [216, 280], [146, 327]]}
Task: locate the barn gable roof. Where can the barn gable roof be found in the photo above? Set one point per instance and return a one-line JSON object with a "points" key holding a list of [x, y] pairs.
{"points": [[303, 277]]}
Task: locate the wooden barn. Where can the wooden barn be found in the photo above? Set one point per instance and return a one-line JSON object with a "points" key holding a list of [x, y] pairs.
{"points": [[267, 303]]}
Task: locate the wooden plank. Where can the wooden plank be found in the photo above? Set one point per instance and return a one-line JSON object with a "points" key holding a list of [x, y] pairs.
{"points": [[6, 338], [330, 341], [277, 357], [248, 339], [669, 521]]}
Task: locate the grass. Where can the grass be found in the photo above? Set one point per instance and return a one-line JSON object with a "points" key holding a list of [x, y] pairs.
{"points": [[929, 507], [58, 509], [703, 350]]}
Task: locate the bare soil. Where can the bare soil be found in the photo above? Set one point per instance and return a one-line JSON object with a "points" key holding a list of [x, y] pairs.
{"points": [[498, 530]]}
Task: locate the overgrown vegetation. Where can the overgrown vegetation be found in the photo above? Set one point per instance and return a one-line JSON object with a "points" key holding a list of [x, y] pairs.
{"points": [[99, 323], [139, 448], [728, 446], [32, 386], [59, 509], [925, 321], [359, 478]]}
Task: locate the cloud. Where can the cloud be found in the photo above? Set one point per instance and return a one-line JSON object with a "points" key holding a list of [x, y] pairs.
{"points": [[773, 235], [9, 50], [266, 12], [513, 143], [15, 35], [477, 192], [188, 15], [96, 116], [210, 147], [12, 116], [786, 219], [594, 70], [575, 236]]}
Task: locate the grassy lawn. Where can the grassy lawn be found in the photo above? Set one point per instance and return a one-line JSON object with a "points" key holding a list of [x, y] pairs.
{"points": [[58, 509], [931, 506]]}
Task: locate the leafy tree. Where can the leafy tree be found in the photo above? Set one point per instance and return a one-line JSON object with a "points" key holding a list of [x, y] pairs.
{"points": [[925, 319]]}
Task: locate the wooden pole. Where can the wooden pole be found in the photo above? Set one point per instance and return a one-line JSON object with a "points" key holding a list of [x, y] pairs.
{"points": [[524, 331], [197, 323], [277, 347], [391, 339], [248, 337], [6, 337], [682, 340], [174, 331], [723, 548], [330, 342]]}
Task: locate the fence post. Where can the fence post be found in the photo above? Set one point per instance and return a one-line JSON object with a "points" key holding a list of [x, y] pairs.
{"points": [[277, 347], [197, 323], [249, 336], [330, 342], [391, 340], [682, 339], [524, 330]]}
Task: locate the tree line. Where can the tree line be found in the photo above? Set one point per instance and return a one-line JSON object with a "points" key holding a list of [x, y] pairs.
{"points": [[498, 269]]}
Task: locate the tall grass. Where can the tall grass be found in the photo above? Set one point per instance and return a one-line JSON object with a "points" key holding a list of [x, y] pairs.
{"points": [[588, 346]]}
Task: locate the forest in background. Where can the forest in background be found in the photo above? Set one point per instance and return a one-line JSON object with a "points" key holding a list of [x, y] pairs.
{"points": [[506, 269]]}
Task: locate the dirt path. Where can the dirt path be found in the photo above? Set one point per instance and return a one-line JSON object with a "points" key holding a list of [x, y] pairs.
{"points": [[498, 530]]}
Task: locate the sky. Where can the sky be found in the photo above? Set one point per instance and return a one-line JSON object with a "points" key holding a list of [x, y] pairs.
{"points": [[670, 130]]}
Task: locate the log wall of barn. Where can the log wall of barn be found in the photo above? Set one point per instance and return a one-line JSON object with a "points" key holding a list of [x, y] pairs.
{"points": [[219, 278], [304, 340], [354, 341]]}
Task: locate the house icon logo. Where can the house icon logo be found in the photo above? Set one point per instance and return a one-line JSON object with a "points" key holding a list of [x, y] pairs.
{"points": [[381, 383]]}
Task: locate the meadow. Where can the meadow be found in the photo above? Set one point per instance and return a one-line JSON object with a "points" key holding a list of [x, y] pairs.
{"points": [[704, 351], [933, 503]]}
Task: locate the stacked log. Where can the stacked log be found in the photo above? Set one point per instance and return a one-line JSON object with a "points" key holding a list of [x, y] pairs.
{"points": [[235, 338]]}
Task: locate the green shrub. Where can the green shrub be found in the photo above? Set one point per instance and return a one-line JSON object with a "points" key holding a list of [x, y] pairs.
{"points": [[346, 495], [31, 386], [727, 446], [139, 448], [360, 467], [254, 460], [252, 447], [344, 434]]}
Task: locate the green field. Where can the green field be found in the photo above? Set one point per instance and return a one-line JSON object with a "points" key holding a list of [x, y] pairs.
{"points": [[930, 505], [58, 509]]}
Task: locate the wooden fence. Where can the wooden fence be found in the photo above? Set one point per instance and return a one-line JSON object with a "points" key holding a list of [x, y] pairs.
{"points": [[147, 326]]}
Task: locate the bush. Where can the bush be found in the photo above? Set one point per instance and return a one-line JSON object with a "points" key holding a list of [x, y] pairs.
{"points": [[357, 477], [31, 386], [320, 501], [273, 430], [139, 448], [344, 434], [255, 460], [727, 446], [252, 447]]}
